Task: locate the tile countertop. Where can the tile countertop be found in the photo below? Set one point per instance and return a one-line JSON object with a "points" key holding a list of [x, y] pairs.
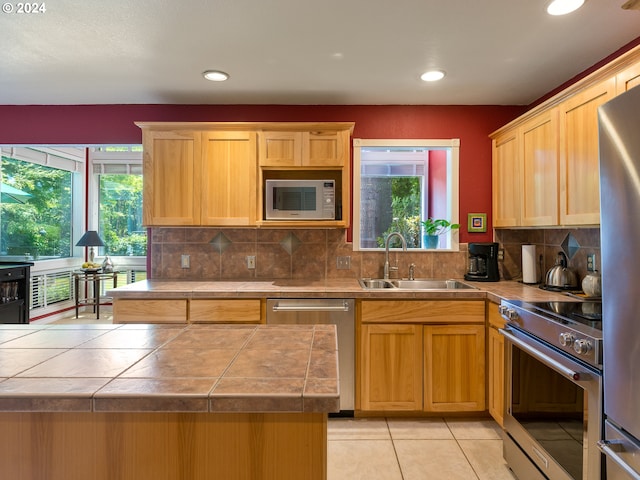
{"points": [[331, 288], [168, 368]]}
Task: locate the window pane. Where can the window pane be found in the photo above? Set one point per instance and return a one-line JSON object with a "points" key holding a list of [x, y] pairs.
{"points": [[401, 183], [121, 215], [35, 210], [390, 204]]}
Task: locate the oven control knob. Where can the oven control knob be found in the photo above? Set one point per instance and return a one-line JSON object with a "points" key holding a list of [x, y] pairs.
{"points": [[566, 339], [582, 346], [507, 312]]}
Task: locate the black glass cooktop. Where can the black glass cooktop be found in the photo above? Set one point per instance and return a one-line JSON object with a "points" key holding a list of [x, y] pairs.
{"points": [[587, 313]]}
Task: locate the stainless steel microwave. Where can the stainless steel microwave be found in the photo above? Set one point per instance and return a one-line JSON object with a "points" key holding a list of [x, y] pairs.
{"points": [[300, 200]]}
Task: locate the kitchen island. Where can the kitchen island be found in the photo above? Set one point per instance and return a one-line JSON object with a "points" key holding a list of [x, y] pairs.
{"points": [[166, 401]]}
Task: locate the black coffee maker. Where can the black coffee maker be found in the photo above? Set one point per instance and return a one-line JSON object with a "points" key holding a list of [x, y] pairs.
{"points": [[483, 262]]}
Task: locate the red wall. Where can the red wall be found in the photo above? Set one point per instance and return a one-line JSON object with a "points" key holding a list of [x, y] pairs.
{"points": [[113, 124]]}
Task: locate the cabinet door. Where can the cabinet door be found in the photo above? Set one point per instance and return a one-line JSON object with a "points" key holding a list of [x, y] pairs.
{"points": [[628, 78], [454, 366], [149, 311], [390, 367], [280, 149], [171, 196], [224, 311], [325, 148], [539, 153], [579, 166], [229, 186], [495, 367], [506, 180]]}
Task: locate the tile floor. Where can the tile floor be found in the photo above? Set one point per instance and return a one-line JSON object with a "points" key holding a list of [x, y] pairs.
{"points": [[401, 448], [415, 449]]}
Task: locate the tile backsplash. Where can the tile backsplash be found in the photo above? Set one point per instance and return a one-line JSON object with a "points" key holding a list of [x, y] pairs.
{"points": [[578, 241], [312, 254]]}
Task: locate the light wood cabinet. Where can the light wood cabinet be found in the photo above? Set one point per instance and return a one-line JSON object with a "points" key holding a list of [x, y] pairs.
{"points": [[305, 149], [213, 173], [454, 368], [506, 180], [199, 310], [171, 165], [559, 135], [149, 310], [229, 188], [391, 360], [579, 164], [194, 178], [628, 78], [538, 139], [416, 355], [225, 311], [495, 364]]}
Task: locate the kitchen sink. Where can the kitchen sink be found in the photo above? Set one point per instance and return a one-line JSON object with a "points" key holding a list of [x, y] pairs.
{"points": [[417, 284]]}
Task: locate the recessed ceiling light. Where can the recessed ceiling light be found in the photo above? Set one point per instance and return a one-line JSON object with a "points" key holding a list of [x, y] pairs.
{"points": [[432, 76], [562, 7], [215, 75]]}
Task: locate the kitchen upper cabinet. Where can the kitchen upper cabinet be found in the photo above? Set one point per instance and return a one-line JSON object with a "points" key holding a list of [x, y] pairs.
{"points": [[199, 178], [506, 179], [628, 78], [579, 164], [538, 143], [421, 355], [228, 177], [171, 165], [213, 173], [304, 149]]}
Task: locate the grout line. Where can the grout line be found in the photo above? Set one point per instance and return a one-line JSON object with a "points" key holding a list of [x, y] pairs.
{"points": [[393, 445]]}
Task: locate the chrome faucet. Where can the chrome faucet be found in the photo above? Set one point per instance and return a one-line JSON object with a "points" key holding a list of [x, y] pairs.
{"points": [[386, 251], [412, 271]]}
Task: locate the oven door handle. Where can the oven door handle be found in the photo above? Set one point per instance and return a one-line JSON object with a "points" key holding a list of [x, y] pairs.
{"points": [[550, 362], [608, 448]]}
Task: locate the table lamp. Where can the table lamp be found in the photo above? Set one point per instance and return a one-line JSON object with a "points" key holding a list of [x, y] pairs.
{"points": [[90, 239]]}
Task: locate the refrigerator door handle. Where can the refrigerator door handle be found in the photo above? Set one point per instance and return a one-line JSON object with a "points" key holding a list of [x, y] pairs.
{"points": [[608, 447]]}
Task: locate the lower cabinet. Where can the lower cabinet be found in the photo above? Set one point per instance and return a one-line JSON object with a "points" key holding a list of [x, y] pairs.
{"points": [[225, 311], [188, 310], [414, 365], [496, 366], [149, 310]]}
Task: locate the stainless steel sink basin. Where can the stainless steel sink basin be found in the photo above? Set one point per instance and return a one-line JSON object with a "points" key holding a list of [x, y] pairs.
{"points": [[417, 284], [375, 283]]}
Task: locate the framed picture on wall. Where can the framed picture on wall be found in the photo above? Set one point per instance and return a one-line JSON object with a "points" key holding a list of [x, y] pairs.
{"points": [[477, 222]]}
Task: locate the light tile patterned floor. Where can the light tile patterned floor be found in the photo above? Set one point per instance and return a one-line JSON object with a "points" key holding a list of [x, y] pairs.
{"points": [[401, 448], [415, 449]]}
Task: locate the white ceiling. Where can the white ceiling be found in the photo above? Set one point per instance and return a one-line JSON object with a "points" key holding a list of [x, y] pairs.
{"points": [[341, 52]]}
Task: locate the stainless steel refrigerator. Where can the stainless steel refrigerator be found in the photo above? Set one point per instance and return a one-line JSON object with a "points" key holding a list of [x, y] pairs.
{"points": [[619, 140]]}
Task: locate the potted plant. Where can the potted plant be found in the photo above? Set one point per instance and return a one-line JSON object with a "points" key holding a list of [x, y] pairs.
{"points": [[432, 228]]}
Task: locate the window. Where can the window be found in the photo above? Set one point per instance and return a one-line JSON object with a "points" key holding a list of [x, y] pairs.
{"points": [[36, 204], [118, 209], [397, 184]]}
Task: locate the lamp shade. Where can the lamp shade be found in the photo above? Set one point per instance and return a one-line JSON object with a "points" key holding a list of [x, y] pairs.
{"points": [[90, 239]]}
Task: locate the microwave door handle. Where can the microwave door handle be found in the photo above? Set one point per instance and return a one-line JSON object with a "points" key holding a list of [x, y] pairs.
{"points": [[550, 362], [608, 448]]}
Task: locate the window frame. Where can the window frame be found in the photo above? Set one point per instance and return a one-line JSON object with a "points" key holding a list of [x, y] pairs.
{"points": [[452, 146]]}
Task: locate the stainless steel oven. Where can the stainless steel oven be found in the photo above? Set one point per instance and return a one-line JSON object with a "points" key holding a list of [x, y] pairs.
{"points": [[553, 418]]}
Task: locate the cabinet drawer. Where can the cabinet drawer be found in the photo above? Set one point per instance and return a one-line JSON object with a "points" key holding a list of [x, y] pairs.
{"points": [[422, 311], [225, 311], [149, 311]]}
